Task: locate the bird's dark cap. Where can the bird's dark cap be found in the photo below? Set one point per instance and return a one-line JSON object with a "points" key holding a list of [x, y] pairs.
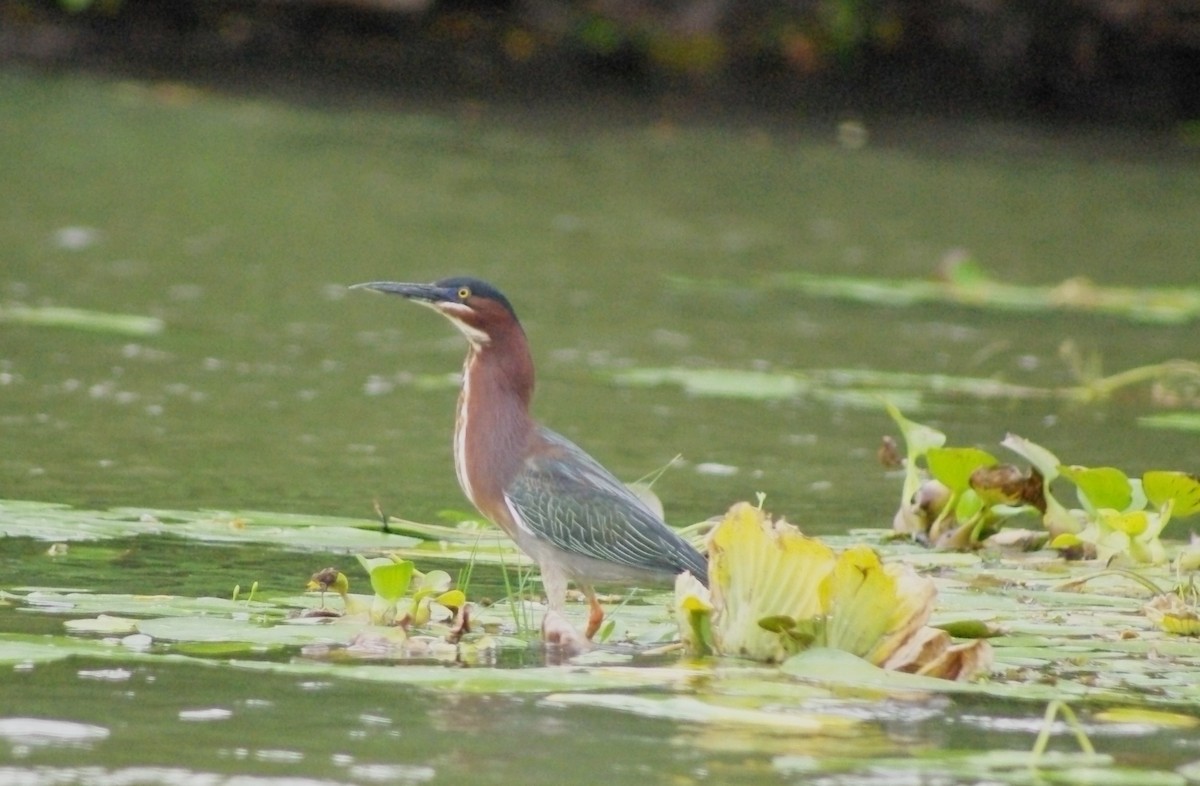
{"points": [[456, 289]]}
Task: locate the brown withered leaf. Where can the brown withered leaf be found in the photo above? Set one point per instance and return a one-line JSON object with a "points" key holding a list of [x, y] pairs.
{"points": [[961, 662], [888, 454], [929, 652], [1009, 485]]}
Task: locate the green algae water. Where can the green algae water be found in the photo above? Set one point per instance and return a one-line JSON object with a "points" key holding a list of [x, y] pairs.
{"points": [[234, 224]]}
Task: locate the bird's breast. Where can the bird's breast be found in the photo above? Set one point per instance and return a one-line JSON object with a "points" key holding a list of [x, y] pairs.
{"points": [[491, 437]]}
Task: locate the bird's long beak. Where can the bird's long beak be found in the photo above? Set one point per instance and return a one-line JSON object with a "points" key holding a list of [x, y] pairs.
{"points": [[428, 294]]}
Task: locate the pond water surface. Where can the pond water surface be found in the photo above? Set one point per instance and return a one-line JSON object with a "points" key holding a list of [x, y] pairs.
{"points": [[239, 221]]}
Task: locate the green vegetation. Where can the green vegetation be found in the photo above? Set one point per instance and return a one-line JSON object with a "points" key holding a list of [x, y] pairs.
{"points": [[862, 388], [81, 319], [1059, 631], [958, 497], [965, 283]]}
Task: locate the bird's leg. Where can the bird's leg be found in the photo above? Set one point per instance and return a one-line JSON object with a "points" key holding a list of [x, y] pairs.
{"points": [[556, 629], [595, 614]]}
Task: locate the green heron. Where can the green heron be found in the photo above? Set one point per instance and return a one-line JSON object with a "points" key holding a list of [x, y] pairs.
{"points": [[563, 509]]}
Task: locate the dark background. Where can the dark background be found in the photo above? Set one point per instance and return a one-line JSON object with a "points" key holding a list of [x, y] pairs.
{"points": [[1095, 61]]}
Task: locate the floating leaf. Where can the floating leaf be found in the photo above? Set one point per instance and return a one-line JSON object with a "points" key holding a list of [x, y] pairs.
{"points": [[390, 581], [1100, 487], [692, 710], [870, 609], [758, 569], [954, 466], [82, 319], [1178, 421], [1182, 489], [775, 591], [1139, 715], [105, 624], [1176, 305]]}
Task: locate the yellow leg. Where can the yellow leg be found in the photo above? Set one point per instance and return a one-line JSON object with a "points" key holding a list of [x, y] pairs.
{"points": [[595, 615]]}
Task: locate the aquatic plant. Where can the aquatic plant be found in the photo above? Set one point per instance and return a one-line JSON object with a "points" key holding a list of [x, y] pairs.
{"points": [[959, 497], [775, 592], [433, 596]]}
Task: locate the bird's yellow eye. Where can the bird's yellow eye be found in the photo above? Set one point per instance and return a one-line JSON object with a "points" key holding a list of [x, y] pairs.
{"points": [[464, 293]]}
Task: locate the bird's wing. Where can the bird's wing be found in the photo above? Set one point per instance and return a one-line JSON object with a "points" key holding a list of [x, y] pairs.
{"points": [[565, 497]]}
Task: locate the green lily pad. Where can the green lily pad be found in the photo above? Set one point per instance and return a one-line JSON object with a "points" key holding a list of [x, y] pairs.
{"points": [[692, 710], [968, 285], [1176, 421], [546, 679], [859, 388], [82, 319], [292, 531]]}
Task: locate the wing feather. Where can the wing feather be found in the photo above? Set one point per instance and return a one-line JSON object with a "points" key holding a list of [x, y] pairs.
{"points": [[567, 498]]}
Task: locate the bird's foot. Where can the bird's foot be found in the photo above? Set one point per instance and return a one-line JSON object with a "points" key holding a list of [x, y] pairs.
{"points": [[558, 632]]}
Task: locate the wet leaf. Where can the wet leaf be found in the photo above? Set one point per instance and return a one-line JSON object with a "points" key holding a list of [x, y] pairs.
{"points": [[969, 629], [775, 591], [105, 624], [954, 466], [1100, 487], [1156, 718], [682, 708], [1177, 421], [978, 290], [1180, 488], [871, 609], [758, 570], [452, 599], [535, 680], [857, 388], [82, 319]]}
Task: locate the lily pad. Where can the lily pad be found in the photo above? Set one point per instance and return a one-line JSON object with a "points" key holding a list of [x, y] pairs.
{"points": [[82, 319], [967, 285], [692, 710]]}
